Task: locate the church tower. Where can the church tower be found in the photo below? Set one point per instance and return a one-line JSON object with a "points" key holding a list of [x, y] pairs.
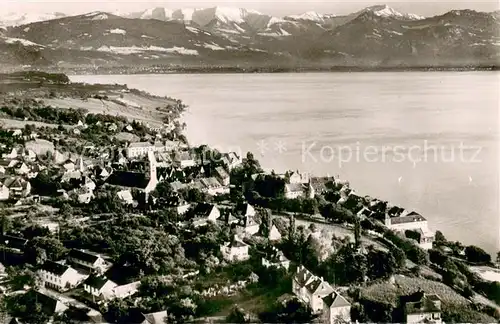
{"points": [[152, 166]]}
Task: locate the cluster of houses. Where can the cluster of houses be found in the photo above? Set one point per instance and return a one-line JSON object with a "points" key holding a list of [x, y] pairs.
{"points": [[321, 297], [325, 301], [393, 217], [79, 176]]}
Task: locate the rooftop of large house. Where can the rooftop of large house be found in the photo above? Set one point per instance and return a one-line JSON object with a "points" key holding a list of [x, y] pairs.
{"points": [[335, 300], [203, 209], [96, 282], [236, 243], [303, 276], [409, 218], [55, 268], [83, 256]]}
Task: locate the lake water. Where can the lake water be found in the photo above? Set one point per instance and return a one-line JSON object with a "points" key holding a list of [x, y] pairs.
{"points": [[426, 141]]}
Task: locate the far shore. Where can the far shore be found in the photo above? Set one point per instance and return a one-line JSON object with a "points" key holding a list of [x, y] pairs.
{"points": [[166, 69]]}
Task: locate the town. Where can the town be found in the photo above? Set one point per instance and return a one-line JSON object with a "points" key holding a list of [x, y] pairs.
{"points": [[109, 215]]}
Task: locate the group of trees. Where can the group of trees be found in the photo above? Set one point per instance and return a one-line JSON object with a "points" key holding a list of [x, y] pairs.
{"points": [[46, 114]]}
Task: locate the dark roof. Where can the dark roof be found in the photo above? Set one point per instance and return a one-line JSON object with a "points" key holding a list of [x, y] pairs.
{"points": [[203, 209], [313, 285], [55, 268], [82, 255], [236, 243], [395, 210], [96, 282], [14, 242], [302, 276], [128, 179], [335, 300]]}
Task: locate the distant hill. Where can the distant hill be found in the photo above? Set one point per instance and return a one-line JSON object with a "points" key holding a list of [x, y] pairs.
{"points": [[377, 36]]}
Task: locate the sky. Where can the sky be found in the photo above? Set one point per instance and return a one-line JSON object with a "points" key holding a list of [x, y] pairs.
{"points": [[272, 7]]}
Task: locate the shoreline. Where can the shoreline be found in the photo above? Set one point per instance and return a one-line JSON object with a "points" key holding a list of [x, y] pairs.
{"points": [[165, 69], [490, 248], [312, 174]]}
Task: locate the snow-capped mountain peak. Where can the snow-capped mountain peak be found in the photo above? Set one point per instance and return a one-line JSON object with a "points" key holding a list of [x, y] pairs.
{"points": [[386, 11], [16, 19], [310, 15]]}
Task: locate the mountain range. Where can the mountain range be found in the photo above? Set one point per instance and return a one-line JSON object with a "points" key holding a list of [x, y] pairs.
{"points": [[377, 36]]}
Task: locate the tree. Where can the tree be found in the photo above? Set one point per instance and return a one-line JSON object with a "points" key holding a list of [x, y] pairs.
{"points": [[357, 233], [265, 223], [399, 256], [439, 238], [346, 266], [40, 248], [476, 254], [380, 264], [117, 311], [498, 258], [163, 189]]}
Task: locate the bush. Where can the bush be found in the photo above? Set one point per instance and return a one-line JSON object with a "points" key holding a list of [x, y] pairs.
{"points": [[477, 255]]}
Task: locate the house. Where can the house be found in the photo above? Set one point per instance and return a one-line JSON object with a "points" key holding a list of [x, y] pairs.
{"points": [[125, 196], [276, 259], [227, 219], [410, 221], [206, 211], [222, 176], [18, 187], [12, 155], [139, 149], [248, 223], [122, 291], [98, 285], [4, 192], [21, 168], [179, 205], [274, 233], [425, 238], [296, 190], [310, 289], [236, 250], [423, 308], [295, 177], [336, 309], [213, 187], [88, 261], [58, 276], [184, 159], [83, 196], [145, 182]]}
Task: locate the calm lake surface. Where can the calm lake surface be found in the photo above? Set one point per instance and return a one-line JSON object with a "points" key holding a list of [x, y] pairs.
{"points": [[426, 141]]}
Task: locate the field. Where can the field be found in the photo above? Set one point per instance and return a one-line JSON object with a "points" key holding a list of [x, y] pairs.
{"points": [[388, 292], [98, 99]]}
